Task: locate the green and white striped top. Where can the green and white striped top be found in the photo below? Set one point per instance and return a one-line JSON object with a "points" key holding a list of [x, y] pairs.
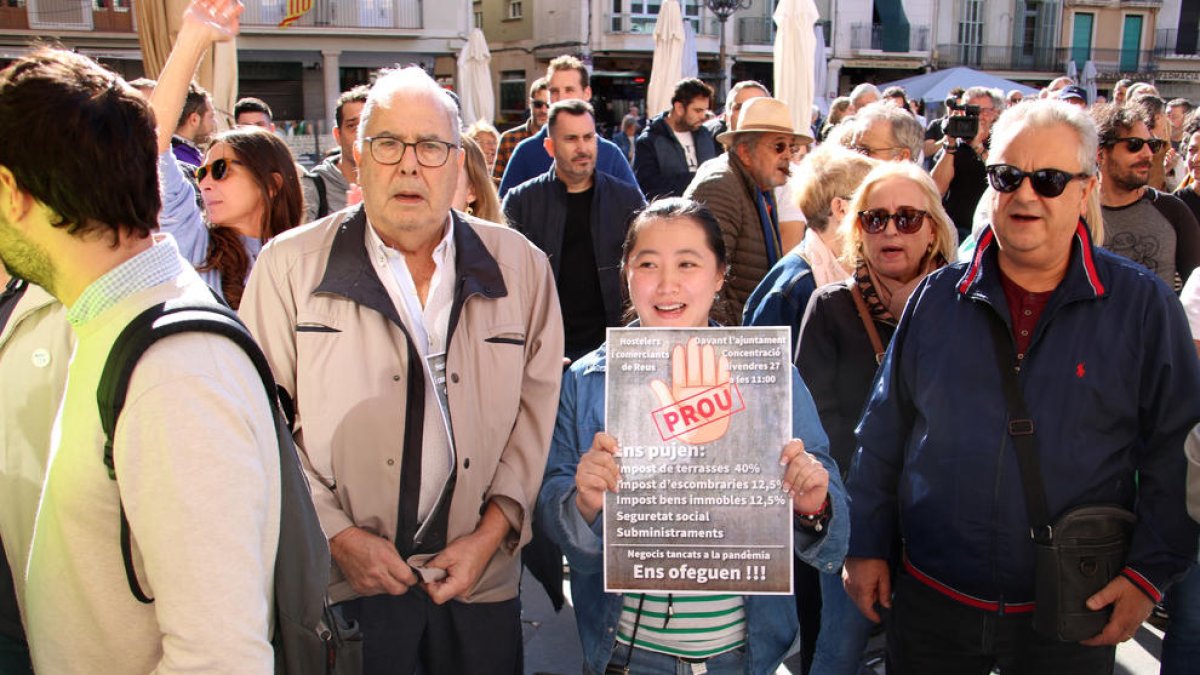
{"points": [[695, 626]]}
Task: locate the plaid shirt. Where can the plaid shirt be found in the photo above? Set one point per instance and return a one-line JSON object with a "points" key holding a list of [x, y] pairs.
{"points": [[508, 143]]}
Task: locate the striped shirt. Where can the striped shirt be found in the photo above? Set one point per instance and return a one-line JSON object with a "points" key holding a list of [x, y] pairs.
{"points": [[693, 626]]}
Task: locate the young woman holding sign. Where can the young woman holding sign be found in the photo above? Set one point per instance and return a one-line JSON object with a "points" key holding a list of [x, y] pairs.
{"points": [[674, 263]]}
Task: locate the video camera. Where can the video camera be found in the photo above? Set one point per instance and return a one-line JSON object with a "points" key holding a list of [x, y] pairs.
{"points": [[965, 125]]}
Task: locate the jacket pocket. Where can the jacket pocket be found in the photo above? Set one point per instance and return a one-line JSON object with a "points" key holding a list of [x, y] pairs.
{"points": [[310, 327], [506, 335]]}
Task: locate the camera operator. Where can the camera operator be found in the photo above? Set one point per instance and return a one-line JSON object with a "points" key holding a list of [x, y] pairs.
{"points": [[959, 167]]}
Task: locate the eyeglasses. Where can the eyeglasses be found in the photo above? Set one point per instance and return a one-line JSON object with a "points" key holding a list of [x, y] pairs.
{"points": [[1134, 144], [1045, 182], [538, 105], [218, 168], [781, 147], [389, 150], [869, 151], [908, 220]]}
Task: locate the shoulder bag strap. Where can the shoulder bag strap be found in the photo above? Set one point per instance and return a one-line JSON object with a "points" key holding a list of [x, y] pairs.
{"points": [[1020, 427], [867, 321]]}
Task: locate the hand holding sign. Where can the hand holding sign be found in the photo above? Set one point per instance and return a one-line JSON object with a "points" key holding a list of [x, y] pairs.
{"points": [[597, 473], [695, 371], [805, 478]]}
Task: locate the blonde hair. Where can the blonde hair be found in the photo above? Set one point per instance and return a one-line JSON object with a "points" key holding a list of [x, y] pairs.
{"points": [[826, 173], [481, 127], [945, 240], [487, 203]]}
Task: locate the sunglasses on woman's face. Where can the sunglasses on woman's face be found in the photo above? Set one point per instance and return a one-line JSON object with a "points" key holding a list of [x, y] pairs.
{"points": [[1046, 182], [908, 220], [218, 168]]}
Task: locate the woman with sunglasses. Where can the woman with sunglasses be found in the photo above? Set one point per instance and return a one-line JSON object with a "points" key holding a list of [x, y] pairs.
{"points": [[251, 193], [248, 182], [894, 233], [674, 263]]}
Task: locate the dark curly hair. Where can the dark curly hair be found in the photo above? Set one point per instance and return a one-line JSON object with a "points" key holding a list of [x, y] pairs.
{"points": [[81, 141]]}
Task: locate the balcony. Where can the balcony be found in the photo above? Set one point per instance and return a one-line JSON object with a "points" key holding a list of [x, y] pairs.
{"points": [[1108, 62], [1166, 43], [338, 14], [113, 16], [760, 30], [628, 23], [867, 36]]}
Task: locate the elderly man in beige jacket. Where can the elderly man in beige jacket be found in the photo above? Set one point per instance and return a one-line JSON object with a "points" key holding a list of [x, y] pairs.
{"points": [[738, 187], [423, 351]]}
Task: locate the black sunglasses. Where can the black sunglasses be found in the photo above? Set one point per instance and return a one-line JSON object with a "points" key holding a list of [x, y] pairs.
{"points": [[218, 168], [1045, 182], [1134, 144], [781, 147], [908, 220], [539, 104]]}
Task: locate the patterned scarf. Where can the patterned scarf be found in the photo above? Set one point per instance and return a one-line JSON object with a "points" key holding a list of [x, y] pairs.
{"points": [[885, 298]]}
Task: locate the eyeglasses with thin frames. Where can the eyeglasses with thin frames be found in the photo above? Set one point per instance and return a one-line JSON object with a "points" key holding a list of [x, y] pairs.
{"points": [[390, 150]]}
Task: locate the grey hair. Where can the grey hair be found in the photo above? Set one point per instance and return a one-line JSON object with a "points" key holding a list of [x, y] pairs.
{"points": [[1044, 113], [407, 81], [862, 90], [906, 130], [996, 95], [737, 88]]}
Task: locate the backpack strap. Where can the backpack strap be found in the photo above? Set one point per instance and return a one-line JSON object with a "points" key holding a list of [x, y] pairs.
{"points": [[322, 199], [160, 321], [868, 323]]}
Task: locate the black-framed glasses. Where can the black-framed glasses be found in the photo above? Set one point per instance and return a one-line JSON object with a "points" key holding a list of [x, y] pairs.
{"points": [[1045, 182], [1135, 144], [390, 150], [908, 220], [219, 168]]}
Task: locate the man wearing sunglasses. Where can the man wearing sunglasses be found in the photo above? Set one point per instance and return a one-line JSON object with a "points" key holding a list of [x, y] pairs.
{"points": [[739, 188], [423, 351], [539, 111], [1105, 365], [1153, 228]]}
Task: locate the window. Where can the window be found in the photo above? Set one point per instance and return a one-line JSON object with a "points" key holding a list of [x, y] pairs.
{"points": [[512, 93], [1081, 38], [970, 32], [115, 5], [1131, 43], [477, 13], [514, 9], [1029, 35]]}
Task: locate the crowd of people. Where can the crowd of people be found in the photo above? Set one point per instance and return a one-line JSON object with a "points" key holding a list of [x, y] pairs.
{"points": [[432, 301]]}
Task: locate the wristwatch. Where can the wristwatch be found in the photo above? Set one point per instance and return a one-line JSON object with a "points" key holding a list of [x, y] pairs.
{"points": [[949, 148]]}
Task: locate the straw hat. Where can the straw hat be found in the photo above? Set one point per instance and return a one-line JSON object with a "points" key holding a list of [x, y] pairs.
{"points": [[764, 115]]}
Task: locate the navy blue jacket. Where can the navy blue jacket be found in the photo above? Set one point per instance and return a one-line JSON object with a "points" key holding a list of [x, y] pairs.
{"points": [[659, 162], [531, 160], [1112, 384], [538, 210]]}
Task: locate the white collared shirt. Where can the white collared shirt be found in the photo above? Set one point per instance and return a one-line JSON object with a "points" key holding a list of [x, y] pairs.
{"points": [[824, 263], [428, 325]]}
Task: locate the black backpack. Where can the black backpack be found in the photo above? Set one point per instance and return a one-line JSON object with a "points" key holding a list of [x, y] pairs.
{"points": [[309, 638]]}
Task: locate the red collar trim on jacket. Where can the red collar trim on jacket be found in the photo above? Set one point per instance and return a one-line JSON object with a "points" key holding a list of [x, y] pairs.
{"points": [[1082, 236], [1089, 265]]}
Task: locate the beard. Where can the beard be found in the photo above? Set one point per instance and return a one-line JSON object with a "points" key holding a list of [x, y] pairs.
{"points": [[25, 259], [1130, 181]]}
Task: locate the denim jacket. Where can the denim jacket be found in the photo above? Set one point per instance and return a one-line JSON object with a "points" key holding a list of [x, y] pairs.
{"points": [[772, 629]]}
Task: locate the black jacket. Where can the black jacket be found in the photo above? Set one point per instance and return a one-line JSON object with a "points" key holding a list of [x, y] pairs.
{"points": [[538, 209], [837, 362], [659, 163]]}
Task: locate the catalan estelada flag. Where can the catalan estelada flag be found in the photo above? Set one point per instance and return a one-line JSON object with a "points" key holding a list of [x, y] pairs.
{"points": [[295, 10]]}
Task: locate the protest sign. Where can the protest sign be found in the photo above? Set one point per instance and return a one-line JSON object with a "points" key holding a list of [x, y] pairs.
{"points": [[701, 417]]}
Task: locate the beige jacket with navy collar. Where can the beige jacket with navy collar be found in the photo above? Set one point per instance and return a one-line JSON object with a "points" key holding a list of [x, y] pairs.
{"points": [[337, 346]]}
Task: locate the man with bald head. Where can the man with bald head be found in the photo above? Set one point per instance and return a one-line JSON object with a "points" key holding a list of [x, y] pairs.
{"points": [[423, 351]]}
